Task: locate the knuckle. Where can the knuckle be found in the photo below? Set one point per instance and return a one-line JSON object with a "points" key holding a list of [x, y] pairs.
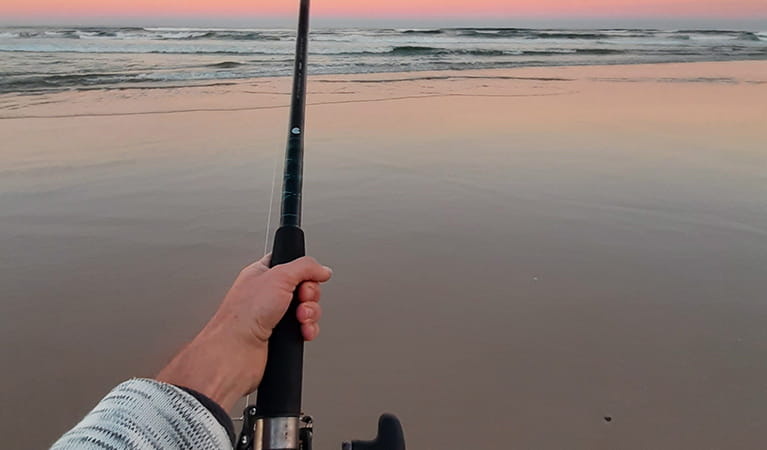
{"points": [[309, 260], [256, 267], [279, 271], [245, 273], [281, 275]]}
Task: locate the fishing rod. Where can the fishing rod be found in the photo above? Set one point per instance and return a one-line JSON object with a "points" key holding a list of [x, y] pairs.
{"points": [[276, 422]]}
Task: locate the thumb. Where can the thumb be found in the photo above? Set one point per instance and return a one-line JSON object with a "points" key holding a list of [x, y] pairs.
{"points": [[300, 270]]}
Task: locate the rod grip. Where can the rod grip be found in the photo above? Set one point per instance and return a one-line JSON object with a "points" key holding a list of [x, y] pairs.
{"points": [[279, 394]]}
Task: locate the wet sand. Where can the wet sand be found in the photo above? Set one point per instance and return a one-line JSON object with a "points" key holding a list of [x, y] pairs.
{"points": [[518, 254]]}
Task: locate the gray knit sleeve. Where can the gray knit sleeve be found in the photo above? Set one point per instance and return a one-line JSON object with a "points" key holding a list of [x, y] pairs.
{"points": [[147, 414]]}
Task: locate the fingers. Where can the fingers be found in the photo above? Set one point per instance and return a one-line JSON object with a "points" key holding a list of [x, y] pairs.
{"points": [[310, 331], [309, 291], [303, 269], [308, 313]]}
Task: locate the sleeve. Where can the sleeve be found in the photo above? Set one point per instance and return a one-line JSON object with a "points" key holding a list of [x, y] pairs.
{"points": [[143, 413]]}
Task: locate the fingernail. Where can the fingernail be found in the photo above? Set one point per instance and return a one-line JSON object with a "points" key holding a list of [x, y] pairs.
{"points": [[308, 314], [328, 269]]}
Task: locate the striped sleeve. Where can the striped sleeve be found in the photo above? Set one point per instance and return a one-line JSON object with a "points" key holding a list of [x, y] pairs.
{"points": [[147, 414]]}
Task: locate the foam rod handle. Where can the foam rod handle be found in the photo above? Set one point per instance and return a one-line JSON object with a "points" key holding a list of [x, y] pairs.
{"points": [[279, 394]]}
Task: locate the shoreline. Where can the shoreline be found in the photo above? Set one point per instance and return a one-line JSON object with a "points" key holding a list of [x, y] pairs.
{"points": [[237, 81], [238, 96]]}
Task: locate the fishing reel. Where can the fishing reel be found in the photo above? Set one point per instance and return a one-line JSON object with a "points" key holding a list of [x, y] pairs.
{"points": [[290, 433]]}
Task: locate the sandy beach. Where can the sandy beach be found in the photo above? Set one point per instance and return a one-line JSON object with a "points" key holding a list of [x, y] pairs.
{"points": [[522, 253]]}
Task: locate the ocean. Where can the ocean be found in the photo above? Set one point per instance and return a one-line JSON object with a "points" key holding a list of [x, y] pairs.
{"points": [[50, 59]]}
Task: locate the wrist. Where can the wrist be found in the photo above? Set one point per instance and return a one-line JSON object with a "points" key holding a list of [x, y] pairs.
{"points": [[217, 366]]}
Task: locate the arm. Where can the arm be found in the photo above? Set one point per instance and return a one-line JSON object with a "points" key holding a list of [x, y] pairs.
{"points": [[224, 362], [143, 413]]}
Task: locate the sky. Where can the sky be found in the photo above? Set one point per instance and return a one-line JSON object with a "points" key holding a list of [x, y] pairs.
{"points": [[200, 11]]}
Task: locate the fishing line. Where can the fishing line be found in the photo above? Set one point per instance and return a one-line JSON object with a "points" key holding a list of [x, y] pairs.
{"points": [[271, 206], [267, 241]]}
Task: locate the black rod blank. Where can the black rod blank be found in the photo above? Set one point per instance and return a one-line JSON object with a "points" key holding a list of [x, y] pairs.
{"points": [[294, 154], [279, 394]]}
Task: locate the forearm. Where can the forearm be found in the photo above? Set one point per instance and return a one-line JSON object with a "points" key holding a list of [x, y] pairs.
{"points": [[143, 413], [217, 365]]}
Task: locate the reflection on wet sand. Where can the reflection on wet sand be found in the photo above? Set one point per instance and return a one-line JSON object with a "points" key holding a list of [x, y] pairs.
{"points": [[519, 255]]}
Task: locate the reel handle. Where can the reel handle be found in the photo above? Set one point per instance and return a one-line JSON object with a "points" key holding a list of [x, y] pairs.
{"points": [[390, 436]]}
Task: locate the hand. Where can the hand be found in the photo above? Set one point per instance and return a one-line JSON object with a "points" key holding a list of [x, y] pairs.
{"points": [[226, 360]]}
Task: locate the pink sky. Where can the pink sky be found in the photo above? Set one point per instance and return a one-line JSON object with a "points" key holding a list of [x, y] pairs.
{"points": [[390, 8]]}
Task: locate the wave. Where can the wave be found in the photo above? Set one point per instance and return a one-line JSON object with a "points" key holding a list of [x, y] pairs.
{"points": [[45, 83], [226, 65], [576, 51], [426, 32], [704, 31], [202, 34], [55, 82], [529, 33], [566, 35], [439, 51], [413, 50], [136, 33], [231, 36], [749, 36], [408, 50], [599, 51], [54, 58], [739, 35], [609, 33], [134, 51], [491, 33]]}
